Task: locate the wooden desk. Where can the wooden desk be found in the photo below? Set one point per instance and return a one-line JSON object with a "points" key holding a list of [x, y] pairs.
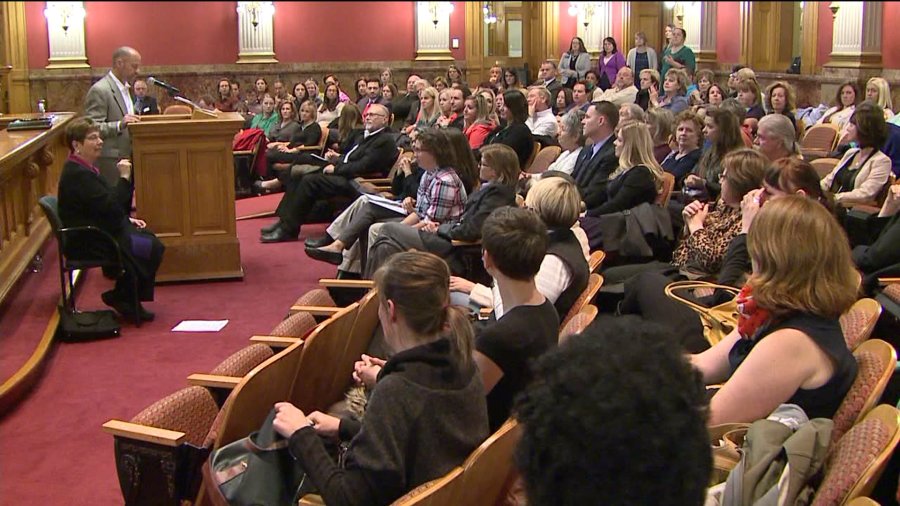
{"points": [[30, 164], [184, 190]]}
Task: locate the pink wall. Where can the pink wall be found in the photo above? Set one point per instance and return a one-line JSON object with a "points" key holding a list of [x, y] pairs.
{"points": [[190, 33], [826, 29], [728, 32], [890, 36]]}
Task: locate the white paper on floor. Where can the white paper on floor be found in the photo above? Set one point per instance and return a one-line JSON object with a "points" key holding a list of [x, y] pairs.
{"points": [[200, 326]]}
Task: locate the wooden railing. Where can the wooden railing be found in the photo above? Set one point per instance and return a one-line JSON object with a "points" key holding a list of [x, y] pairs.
{"points": [[30, 165]]}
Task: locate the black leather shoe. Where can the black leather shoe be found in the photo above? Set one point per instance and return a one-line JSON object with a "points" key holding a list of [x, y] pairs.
{"points": [[325, 240], [125, 307], [270, 228], [258, 189], [325, 256], [279, 235]]}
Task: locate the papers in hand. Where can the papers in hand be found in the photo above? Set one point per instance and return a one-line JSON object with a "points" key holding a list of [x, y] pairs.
{"points": [[388, 204], [200, 326]]}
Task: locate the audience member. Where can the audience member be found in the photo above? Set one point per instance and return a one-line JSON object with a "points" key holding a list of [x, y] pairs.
{"points": [[580, 98], [370, 152], [406, 106], [280, 93], [675, 97], [455, 76], [564, 101], [440, 198], [499, 171], [776, 137], [683, 159], [225, 102], [331, 106], [143, 103], [631, 112], [297, 150], [312, 91], [541, 120], [591, 77], [362, 90], [750, 97], [514, 246], [373, 90], [332, 79], [788, 346], [649, 85], [704, 79], [571, 141], [548, 78], [109, 104], [598, 159], [600, 395], [609, 63], [86, 199], [844, 105], [261, 89], [386, 76], [722, 130], [440, 83], [780, 99], [511, 80], [428, 114], [299, 95], [267, 117], [453, 116], [495, 74], [388, 93], [283, 130], [748, 128], [738, 74], [515, 134], [863, 172], [477, 124], [349, 122], [641, 57], [879, 91], [677, 55], [661, 122], [715, 95], [393, 448], [622, 92], [574, 63]]}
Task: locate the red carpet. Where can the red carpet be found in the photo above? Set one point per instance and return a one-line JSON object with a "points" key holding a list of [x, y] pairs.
{"points": [[23, 319], [256, 205], [52, 449]]}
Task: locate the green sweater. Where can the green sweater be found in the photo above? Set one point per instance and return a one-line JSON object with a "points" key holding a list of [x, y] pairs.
{"points": [[264, 123]]}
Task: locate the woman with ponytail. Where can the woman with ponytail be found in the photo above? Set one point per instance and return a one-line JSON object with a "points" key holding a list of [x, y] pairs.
{"points": [[426, 412]]}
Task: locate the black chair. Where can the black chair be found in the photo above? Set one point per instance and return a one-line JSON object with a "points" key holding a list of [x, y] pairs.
{"points": [[67, 266]]}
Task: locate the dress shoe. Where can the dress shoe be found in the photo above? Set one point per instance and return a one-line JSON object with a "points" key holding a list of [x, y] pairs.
{"points": [[325, 256], [279, 235], [125, 307], [270, 228], [325, 240], [258, 189]]}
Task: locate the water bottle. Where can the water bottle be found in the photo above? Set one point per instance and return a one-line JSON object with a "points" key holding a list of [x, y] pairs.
{"points": [[42, 107]]}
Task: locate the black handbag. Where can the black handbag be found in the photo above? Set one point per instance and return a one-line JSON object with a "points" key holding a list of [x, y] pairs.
{"points": [[259, 470]]}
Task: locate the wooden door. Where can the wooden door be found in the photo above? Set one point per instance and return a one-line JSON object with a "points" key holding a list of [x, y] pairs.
{"points": [[644, 17], [510, 41]]}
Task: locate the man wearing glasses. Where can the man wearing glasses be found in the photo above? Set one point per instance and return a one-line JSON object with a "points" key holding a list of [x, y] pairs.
{"points": [[372, 152]]}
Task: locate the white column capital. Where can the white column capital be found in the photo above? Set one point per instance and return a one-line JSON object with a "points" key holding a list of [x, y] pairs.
{"points": [[433, 31], [65, 31], [856, 40], [256, 32]]}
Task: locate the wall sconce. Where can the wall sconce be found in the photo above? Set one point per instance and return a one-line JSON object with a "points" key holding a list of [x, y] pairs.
{"points": [[834, 7], [669, 5], [256, 10], [65, 13], [587, 8], [439, 10], [490, 17]]}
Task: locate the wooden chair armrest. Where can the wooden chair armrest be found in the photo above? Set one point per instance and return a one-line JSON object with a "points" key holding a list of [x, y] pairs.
{"points": [[120, 428], [244, 152], [854, 205], [888, 281], [347, 283], [311, 500], [485, 313], [316, 310], [456, 243], [866, 208], [309, 148], [275, 341], [375, 181], [213, 381]]}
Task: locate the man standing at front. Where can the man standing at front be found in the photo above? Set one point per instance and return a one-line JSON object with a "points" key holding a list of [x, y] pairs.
{"points": [[110, 104]]}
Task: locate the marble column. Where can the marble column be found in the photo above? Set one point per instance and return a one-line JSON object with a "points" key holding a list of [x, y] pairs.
{"points": [[433, 31], [856, 41], [256, 33], [598, 16], [65, 31], [700, 25]]}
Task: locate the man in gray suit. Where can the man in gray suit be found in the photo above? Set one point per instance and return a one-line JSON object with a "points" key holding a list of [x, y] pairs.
{"points": [[110, 104]]}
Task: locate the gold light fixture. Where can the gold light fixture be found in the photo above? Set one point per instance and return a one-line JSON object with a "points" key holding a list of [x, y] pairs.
{"points": [[256, 10], [437, 10], [834, 7], [586, 8], [65, 13]]}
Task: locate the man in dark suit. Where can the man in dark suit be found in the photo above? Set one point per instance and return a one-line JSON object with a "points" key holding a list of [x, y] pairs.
{"points": [[144, 103], [374, 150], [598, 158], [110, 105], [548, 76], [373, 95]]}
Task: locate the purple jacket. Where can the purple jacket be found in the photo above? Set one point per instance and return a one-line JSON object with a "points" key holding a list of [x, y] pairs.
{"points": [[612, 67]]}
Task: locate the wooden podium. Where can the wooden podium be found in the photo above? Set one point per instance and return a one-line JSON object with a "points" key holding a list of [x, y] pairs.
{"points": [[184, 190]]}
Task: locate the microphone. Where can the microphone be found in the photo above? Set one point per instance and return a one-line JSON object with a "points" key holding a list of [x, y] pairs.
{"points": [[168, 87]]}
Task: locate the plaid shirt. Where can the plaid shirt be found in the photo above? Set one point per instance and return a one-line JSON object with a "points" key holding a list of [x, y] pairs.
{"points": [[441, 196]]}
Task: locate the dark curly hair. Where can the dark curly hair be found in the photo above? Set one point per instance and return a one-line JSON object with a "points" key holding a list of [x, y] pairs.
{"points": [[616, 415]]}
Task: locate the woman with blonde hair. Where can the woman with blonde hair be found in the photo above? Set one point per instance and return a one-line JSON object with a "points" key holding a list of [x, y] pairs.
{"points": [[639, 176], [675, 92], [788, 346], [428, 114], [427, 403], [750, 96], [476, 123], [879, 91]]}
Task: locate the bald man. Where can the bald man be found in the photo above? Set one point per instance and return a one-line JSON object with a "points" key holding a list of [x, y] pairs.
{"points": [[110, 104], [370, 152], [622, 92]]}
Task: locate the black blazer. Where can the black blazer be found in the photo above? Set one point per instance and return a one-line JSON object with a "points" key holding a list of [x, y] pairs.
{"points": [[630, 189], [517, 136], [592, 174], [375, 155], [478, 207], [148, 105], [308, 136]]}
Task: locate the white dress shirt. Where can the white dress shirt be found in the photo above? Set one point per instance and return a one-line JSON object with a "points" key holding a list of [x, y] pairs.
{"points": [[542, 123]]}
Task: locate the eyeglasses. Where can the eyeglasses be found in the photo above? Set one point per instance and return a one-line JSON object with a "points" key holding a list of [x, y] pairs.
{"points": [[376, 114]]}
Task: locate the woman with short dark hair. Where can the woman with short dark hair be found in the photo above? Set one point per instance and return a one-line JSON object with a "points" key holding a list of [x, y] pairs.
{"points": [[862, 173], [611, 60], [86, 199], [515, 134]]}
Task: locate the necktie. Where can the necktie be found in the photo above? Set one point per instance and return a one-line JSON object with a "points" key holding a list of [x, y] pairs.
{"points": [[583, 159]]}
